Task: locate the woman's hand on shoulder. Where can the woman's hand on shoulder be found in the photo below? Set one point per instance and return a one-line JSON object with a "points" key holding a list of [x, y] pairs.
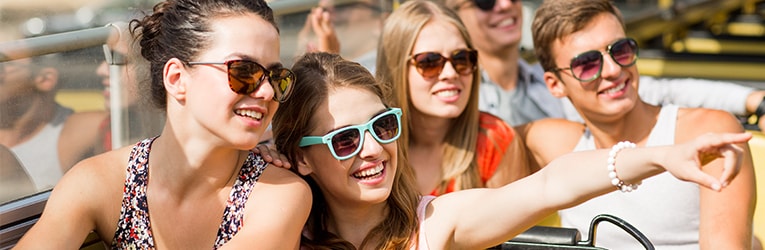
{"points": [[270, 155]]}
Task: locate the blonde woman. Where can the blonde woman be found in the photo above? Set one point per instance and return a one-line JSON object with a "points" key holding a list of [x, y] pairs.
{"points": [[428, 67]]}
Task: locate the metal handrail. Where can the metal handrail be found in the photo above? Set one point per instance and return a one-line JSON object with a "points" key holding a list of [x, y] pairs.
{"points": [[48, 44]]}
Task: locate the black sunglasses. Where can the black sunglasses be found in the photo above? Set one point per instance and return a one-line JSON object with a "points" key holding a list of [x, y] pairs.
{"points": [[430, 64], [245, 76], [486, 5], [587, 66]]}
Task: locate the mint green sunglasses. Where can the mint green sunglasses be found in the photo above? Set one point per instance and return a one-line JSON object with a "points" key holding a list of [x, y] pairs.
{"points": [[346, 142]]}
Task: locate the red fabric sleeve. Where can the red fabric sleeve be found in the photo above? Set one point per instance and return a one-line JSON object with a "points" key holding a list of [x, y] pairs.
{"points": [[494, 138]]}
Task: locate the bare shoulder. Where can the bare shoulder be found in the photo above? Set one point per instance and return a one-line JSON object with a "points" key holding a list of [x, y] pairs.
{"points": [[99, 176], [86, 119], [551, 127], [692, 122], [548, 138], [87, 198], [280, 185], [82, 136], [276, 211]]}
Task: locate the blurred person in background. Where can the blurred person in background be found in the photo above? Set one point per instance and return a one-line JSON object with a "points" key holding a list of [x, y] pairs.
{"points": [[514, 89], [327, 22], [139, 119], [47, 137]]}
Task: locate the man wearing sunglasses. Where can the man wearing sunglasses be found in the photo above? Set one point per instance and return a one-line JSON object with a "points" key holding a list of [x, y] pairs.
{"points": [[589, 60], [514, 90]]}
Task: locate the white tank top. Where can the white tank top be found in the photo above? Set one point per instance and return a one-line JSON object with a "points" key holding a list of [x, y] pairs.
{"points": [[39, 155], [663, 208]]}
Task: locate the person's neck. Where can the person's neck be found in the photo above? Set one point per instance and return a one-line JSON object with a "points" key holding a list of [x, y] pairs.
{"points": [[501, 66], [353, 222], [192, 164], [428, 131], [635, 126], [26, 126]]}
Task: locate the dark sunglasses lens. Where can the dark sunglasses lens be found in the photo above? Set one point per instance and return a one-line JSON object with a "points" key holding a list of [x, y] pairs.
{"points": [[282, 80], [587, 66], [244, 76], [485, 5], [386, 127], [624, 52], [464, 61], [346, 142], [429, 64]]}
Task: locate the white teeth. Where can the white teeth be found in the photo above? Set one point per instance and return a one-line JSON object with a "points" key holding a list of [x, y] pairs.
{"points": [[369, 172], [615, 89], [249, 113], [506, 22], [447, 93]]}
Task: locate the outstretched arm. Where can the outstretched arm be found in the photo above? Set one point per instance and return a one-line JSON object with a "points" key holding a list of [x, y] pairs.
{"points": [[700, 93], [487, 217]]}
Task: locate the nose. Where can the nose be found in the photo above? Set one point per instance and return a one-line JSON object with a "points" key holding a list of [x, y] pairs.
{"points": [[448, 72], [371, 148], [504, 4], [610, 70], [103, 70], [264, 91]]}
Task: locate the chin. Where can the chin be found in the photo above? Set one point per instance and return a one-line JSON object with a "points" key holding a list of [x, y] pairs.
{"points": [[376, 196]]}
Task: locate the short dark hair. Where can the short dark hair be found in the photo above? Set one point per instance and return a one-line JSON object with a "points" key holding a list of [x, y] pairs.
{"points": [[556, 19]]}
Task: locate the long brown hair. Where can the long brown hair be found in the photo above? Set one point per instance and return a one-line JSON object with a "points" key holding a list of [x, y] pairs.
{"points": [[316, 74], [396, 43]]}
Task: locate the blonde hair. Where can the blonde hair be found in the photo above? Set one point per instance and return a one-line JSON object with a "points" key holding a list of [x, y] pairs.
{"points": [[402, 28], [316, 74]]}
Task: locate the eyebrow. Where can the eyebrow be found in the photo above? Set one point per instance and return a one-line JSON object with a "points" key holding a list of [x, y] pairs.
{"points": [[370, 118], [250, 58]]}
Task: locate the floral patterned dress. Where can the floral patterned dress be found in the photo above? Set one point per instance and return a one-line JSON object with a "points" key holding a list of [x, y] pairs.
{"points": [[134, 227]]}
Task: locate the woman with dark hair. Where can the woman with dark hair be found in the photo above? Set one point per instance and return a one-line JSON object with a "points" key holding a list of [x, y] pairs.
{"points": [[342, 138], [215, 71]]}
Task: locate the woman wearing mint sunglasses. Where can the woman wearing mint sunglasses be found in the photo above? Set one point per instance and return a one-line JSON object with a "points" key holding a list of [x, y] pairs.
{"points": [[346, 142], [197, 185], [370, 200]]}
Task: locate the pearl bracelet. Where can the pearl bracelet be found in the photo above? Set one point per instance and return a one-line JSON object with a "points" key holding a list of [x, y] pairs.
{"points": [[619, 183]]}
